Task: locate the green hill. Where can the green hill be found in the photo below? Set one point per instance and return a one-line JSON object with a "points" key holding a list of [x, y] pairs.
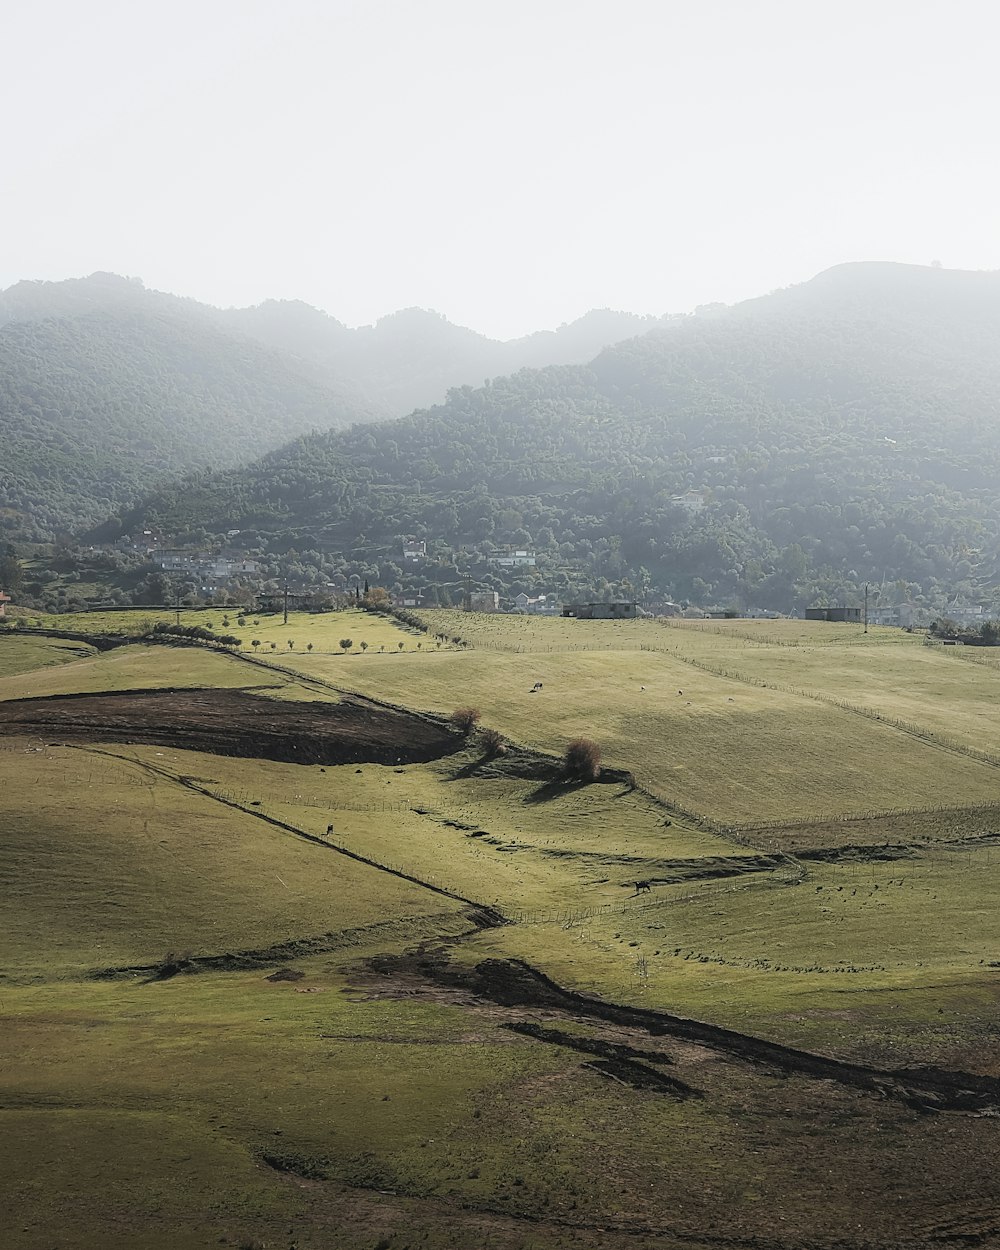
{"points": [[838, 432], [107, 387], [97, 407]]}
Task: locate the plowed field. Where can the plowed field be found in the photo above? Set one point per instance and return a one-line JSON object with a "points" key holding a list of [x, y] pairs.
{"points": [[231, 722]]}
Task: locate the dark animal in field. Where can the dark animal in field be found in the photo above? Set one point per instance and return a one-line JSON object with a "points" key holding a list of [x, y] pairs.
{"points": [[536, 686], [642, 887], [329, 830]]}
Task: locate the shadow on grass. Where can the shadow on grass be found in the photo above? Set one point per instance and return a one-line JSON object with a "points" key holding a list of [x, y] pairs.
{"points": [[554, 789]]}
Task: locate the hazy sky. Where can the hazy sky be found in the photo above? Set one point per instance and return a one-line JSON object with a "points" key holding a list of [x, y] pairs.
{"points": [[510, 163]]}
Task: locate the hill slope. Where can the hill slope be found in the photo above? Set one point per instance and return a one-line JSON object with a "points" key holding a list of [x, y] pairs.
{"points": [[839, 432], [107, 387], [98, 407]]}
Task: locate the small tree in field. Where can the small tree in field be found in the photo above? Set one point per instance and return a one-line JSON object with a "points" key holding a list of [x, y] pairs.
{"points": [[291, 643], [363, 645], [346, 644], [255, 643], [582, 761], [465, 719], [309, 646]]}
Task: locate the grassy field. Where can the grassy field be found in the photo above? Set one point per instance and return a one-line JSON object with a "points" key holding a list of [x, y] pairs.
{"points": [[24, 654], [321, 630], [106, 864], [711, 745], [379, 1099]]}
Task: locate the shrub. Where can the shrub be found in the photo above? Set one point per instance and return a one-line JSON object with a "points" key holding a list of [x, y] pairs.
{"points": [[582, 761], [493, 743], [465, 719], [346, 644]]}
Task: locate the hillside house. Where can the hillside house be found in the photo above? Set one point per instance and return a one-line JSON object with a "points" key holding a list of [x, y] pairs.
{"points": [[4, 600], [414, 550], [539, 606], [601, 611], [514, 559], [850, 615], [692, 501]]}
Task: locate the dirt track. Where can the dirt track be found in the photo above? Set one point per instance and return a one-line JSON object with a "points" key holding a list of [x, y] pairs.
{"points": [[232, 722]]}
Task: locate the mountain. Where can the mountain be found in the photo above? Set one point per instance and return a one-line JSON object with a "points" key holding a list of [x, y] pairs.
{"points": [[107, 387], [98, 406], [411, 358], [792, 447]]}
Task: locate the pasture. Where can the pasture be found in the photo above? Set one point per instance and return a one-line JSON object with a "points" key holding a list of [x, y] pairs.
{"points": [[322, 631], [815, 827]]}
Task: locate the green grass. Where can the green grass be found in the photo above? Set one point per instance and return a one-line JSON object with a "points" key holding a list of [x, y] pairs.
{"points": [[139, 1112], [323, 630], [484, 839], [711, 745], [136, 668], [21, 654], [103, 865]]}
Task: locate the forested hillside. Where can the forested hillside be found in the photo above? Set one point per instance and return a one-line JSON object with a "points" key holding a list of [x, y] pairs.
{"points": [[98, 407], [838, 432], [107, 387]]}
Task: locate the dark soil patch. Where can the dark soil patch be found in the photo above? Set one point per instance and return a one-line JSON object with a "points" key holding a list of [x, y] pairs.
{"points": [[233, 722]]}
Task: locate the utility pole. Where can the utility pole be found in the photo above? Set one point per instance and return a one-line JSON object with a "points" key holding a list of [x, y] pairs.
{"points": [[177, 607], [285, 595], [866, 607]]}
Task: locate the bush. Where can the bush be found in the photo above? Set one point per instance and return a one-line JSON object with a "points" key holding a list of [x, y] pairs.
{"points": [[582, 761], [493, 743], [465, 719]]}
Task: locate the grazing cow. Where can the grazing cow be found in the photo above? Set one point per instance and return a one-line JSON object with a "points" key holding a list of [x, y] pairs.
{"points": [[642, 887]]}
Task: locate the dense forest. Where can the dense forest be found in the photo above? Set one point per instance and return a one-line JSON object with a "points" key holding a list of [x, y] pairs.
{"points": [[840, 432], [107, 388]]}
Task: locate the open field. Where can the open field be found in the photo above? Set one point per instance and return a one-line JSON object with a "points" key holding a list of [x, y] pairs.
{"points": [[106, 864], [321, 630], [22, 654], [733, 1037], [711, 745]]}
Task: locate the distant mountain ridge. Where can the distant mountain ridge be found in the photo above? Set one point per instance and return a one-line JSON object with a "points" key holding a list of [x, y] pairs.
{"points": [[842, 431], [406, 360], [107, 387]]}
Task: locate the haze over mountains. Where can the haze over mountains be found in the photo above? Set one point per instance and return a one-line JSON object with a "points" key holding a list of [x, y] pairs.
{"points": [[841, 431], [106, 387]]}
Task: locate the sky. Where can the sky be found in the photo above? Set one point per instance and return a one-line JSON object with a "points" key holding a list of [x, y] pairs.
{"points": [[508, 163]]}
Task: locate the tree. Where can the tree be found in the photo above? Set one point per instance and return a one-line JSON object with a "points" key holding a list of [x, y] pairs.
{"points": [[363, 645], [582, 761], [401, 645], [291, 644], [255, 643], [346, 644]]}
